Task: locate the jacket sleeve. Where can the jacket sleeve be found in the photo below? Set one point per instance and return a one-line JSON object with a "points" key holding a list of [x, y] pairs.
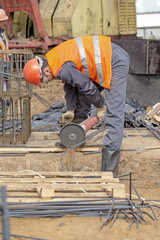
{"points": [[71, 76], [70, 96]]}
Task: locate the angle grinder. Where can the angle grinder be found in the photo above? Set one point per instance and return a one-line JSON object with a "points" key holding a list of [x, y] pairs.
{"points": [[74, 134]]}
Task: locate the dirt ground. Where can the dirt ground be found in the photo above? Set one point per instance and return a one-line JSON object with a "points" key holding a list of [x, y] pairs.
{"points": [[147, 181]]}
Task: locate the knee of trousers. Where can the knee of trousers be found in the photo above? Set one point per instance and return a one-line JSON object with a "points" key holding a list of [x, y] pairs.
{"points": [[113, 142]]}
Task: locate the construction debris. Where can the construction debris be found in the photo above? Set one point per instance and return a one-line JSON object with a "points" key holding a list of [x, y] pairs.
{"points": [[155, 112], [136, 116]]}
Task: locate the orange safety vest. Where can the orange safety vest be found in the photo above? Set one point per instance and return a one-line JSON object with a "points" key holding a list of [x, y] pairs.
{"points": [[4, 45], [91, 54]]}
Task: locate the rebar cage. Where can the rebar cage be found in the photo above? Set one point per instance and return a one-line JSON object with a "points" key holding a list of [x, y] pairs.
{"points": [[15, 97]]}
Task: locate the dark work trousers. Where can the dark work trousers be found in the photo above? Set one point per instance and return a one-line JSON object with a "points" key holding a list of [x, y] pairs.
{"points": [[82, 106], [115, 98]]}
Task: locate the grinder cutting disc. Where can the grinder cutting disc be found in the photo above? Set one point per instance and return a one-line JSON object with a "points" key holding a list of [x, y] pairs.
{"points": [[72, 134]]}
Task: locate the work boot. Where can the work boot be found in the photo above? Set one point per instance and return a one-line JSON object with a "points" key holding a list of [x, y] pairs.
{"points": [[110, 160]]}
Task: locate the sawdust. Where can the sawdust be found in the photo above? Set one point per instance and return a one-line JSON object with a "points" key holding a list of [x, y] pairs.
{"points": [[145, 163]]}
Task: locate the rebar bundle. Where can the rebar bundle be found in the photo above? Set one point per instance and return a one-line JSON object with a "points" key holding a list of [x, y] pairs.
{"points": [[15, 96], [110, 209]]}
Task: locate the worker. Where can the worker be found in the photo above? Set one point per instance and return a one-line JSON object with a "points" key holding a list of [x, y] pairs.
{"points": [[87, 65], [5, 63]]}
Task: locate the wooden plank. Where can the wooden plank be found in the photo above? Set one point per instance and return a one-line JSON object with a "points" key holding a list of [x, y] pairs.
{"points": [[43, 150], [54, 174], [29, 186], [114, 185], [37, 199], [60, 187], [154, 111], [25, 200], [59, 180], [82, 195], [23, 186], [45, 193], [21, 194]]}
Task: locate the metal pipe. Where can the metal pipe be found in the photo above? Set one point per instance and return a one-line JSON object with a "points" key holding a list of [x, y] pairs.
{"points": [[130, 186], [5, 215], [131, 223], [140, 199]]}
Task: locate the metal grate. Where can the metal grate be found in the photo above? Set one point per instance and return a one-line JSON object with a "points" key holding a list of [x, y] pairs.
{"points": [[15, 95]]}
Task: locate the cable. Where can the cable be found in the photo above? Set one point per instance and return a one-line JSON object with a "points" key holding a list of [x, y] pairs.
{"points": [[26, 170], [44, 101]]}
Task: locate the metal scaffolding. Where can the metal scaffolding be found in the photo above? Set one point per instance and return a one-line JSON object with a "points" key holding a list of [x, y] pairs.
{"points": [[15, 95]]}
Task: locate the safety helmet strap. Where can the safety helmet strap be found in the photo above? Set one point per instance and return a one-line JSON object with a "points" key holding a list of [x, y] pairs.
{"points": [[40, 62]]}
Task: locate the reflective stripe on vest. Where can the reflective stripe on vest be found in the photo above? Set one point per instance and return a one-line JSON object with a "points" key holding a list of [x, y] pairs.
{"points": [[98, 60], [4, 45], [91, 55], [83, 56]]}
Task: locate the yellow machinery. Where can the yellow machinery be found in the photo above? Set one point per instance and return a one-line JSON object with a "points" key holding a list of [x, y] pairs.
{"points": [[72, 18]]}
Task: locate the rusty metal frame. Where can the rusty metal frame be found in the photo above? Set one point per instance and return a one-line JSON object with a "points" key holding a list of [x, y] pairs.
{"points": [[32, 7], [15, 110]]}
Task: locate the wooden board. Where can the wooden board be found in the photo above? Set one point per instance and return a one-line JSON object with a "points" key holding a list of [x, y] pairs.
{"points": [[26, 150], [30, 187]]}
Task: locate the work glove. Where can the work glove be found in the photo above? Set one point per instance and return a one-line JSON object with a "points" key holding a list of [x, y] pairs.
{"points": [[67, 117], [100, 112]]}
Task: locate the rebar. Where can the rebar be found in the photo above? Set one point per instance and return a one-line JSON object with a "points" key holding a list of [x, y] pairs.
{"points": [[15, 94], [107, 207], [5, 215], [110, 208]]}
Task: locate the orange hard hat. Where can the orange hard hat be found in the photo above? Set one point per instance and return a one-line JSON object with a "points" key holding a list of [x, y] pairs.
{"points": [[32, 72], [3, 15]]}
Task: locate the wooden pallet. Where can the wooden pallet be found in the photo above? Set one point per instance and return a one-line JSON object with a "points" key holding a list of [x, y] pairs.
{"points": [[47, 186]]}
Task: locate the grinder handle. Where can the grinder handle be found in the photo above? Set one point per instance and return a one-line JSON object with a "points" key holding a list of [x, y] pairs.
{"points": [[89, 123]]}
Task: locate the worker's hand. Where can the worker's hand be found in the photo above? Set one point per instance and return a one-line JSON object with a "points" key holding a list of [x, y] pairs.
{"points": [[101, 112], [67, 117]]}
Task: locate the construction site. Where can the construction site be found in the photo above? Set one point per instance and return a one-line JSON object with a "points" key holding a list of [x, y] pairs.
{"points": [[51, 192]]}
